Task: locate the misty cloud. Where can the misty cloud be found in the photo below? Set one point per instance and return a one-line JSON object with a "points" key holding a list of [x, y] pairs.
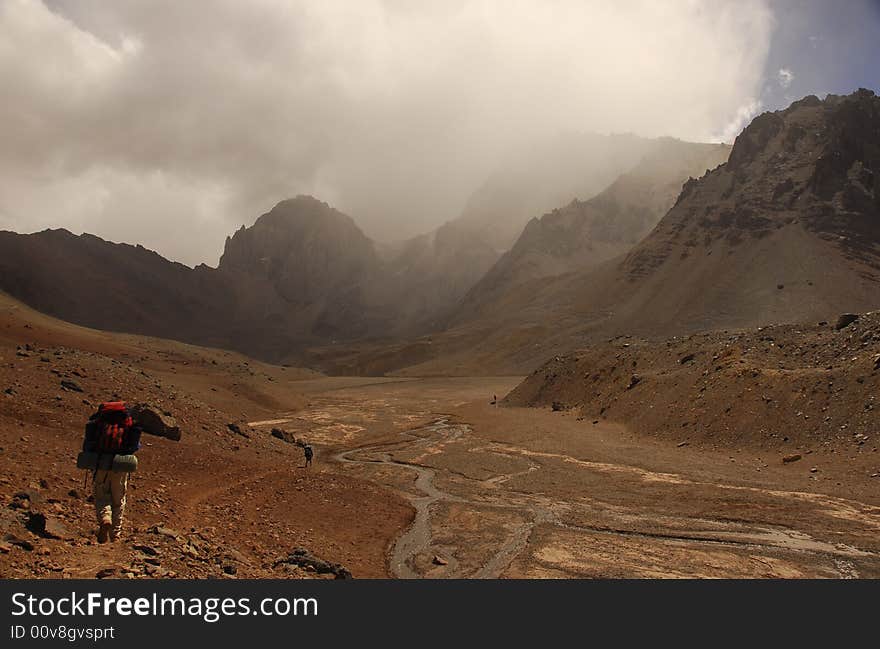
{"points": [[172, 123], [784, 77], [744, 115]]}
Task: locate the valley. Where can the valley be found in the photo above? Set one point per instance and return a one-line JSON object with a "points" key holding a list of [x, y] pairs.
{"points": [[509, 492], [413, 478], [672, 373]]}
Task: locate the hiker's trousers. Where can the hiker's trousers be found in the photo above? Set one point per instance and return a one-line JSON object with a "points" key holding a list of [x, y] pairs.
{"points": [[109, 490]]}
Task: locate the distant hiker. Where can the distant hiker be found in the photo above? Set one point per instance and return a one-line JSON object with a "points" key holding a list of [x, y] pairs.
{"points": [[111, 440], [494, 401], [309, 453]]}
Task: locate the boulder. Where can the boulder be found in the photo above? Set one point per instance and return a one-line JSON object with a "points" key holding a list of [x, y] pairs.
{"points": [[155, 422], [55, 529], [165, 531], [70, 386], [235, 428], [26, 499], [845, 320], [305, 560], [47, 526], [24, 544], [146, 549], [283, 435]]}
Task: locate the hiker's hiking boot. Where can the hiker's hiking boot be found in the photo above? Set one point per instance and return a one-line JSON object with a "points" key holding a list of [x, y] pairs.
{"points": [[104, 532], [114, 535]]}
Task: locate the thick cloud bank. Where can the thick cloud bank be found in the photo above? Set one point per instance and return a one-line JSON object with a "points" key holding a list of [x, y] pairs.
{"points": [[170, 123]]}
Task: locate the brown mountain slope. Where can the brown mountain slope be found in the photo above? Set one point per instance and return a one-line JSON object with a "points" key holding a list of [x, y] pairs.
{"points": [[297, 276], [213, 487], [301, 273], [798, 389], [544, 175], [788, 230], [427, 276], [306, 249], [583, 234], [118, 287]]}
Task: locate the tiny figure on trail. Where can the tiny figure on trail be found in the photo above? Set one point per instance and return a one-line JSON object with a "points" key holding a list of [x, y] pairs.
{"points": [[111, 440], [309, 453], [494, 401]]}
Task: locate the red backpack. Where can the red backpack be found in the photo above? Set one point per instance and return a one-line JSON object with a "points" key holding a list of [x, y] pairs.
{"points": [[113, 422]]}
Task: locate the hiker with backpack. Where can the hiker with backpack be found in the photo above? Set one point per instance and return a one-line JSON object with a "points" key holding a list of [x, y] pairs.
{"points": [[111, 440], [309, 453]]}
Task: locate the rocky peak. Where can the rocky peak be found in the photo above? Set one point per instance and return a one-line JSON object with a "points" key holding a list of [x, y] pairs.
{"points": [[814, 165], [304, 247]]}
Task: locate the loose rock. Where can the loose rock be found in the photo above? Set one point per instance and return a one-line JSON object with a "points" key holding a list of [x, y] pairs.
{"points": [[70, 386], [283, 435], [845, 320], [235, 428], [302, 558], [24, 544], [146, 549], [165, 531]]}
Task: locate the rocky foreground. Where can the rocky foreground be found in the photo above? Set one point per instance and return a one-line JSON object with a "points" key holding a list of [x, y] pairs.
{"points": [[212, 497]]}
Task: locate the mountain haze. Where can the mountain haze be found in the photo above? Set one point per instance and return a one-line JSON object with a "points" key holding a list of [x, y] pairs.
{"points": [[305, 274], [545, 175], [788, 230], [585, 233]]}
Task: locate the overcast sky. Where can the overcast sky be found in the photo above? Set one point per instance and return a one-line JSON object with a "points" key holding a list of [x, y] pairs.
{"points": [[171, 123]]}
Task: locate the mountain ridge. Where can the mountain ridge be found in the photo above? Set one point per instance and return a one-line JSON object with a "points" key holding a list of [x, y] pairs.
{"points": [[787, 230]]}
